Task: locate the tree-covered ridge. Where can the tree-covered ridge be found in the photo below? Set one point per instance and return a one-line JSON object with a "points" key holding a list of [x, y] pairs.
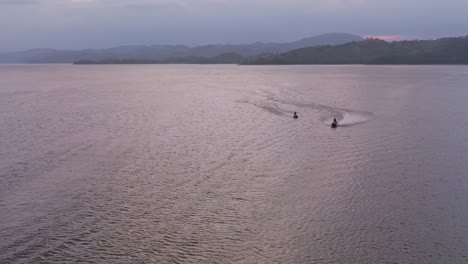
{"points": [[225, 58], [376, 51]]}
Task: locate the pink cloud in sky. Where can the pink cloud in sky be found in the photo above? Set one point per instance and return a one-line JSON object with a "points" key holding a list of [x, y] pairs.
{"points": [[389, 37]]}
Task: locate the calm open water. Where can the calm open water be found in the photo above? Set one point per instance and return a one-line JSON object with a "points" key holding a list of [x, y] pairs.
{"points": [[205, 164]]}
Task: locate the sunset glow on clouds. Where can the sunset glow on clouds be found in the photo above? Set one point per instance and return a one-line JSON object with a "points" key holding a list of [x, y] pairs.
{"points": [[389, 37]]}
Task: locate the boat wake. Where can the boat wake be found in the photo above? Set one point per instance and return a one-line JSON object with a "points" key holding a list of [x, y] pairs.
{"points": [[286, 107], [345, 117], [269, 106], [349, 118]]}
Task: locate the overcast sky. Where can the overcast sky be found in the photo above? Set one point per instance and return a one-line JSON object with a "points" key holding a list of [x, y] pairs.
{"points": [[77, 24]]}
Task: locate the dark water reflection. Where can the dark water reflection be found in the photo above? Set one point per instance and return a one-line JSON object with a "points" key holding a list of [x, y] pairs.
{"points": [[204, 164]]}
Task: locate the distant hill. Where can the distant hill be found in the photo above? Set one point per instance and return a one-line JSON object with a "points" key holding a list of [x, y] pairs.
{"points": [[376, 51], [170, 52], [225, 58]]}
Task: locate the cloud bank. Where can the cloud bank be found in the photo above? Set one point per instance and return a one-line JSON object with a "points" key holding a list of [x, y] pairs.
{"points": [[104, 23]]}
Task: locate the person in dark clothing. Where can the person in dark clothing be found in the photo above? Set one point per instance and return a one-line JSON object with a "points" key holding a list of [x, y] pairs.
{"points": [[335, 123]]}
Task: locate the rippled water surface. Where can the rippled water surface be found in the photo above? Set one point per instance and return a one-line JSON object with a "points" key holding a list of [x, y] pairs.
{"points": [[205, 164]]}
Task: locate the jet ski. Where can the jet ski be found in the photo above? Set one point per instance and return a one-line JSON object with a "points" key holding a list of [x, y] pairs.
{"points": [[334, 124]]}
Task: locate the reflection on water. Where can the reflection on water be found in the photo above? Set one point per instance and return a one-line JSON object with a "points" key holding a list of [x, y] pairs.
{"points": [[205, 164]]}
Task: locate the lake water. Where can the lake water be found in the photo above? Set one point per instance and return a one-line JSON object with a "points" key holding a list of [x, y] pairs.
{"points": [[205, 164]]}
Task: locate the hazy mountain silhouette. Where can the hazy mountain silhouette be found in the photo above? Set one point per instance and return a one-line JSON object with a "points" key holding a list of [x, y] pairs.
{"points": [[169, 52], [376, 51]]}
